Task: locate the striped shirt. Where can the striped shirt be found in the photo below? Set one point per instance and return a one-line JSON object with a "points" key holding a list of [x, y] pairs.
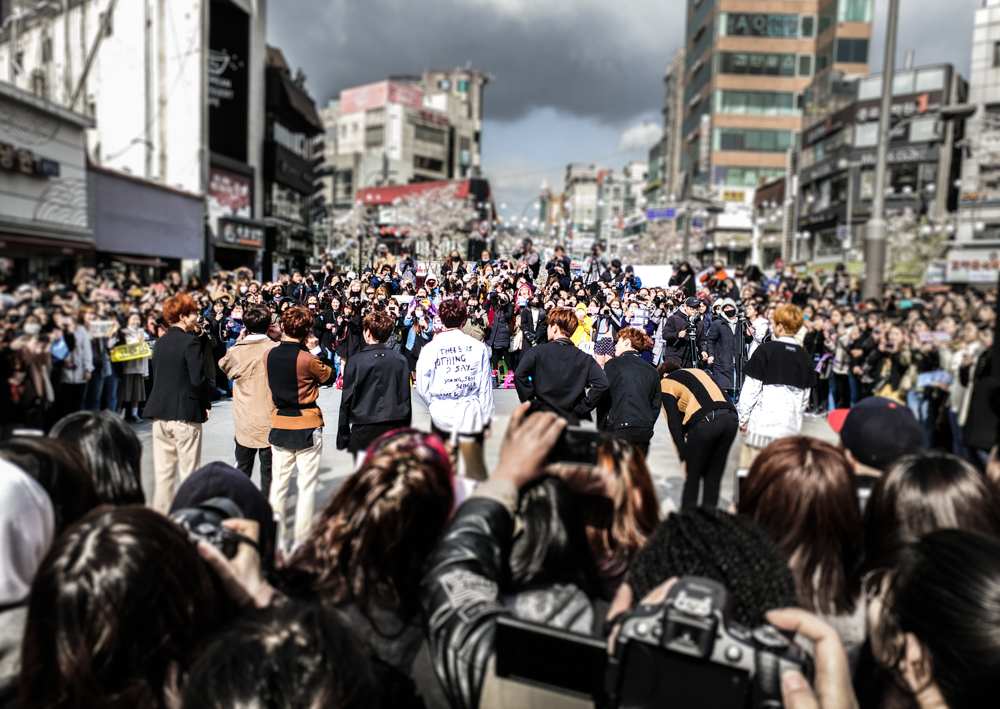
{"points": [[687, 395]]}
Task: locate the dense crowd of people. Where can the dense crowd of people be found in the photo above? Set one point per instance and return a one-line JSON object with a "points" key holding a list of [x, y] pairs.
{"points": [[880, 554]]}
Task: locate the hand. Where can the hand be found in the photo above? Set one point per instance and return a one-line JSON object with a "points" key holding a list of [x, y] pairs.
{"points": [[86, 376], [526, 445], [208, 414], [743, 427], [242, 576], [834, 689], [684, 470], [711, 360], [682, 333], [312, 342]]}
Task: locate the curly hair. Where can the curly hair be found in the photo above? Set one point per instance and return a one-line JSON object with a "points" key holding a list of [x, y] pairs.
{"points": [[453, 313], [726, 548], [297, 322], [636, 337]]}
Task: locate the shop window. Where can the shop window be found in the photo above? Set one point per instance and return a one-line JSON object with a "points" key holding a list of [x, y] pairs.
{"points": [[430, 164], [903, 179], [930, 80]]}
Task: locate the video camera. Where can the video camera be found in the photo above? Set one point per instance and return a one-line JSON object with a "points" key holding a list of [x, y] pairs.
{"points": [[683, 653]]}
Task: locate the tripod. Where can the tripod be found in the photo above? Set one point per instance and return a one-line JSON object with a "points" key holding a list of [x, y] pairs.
{"points": [[740, 354]]}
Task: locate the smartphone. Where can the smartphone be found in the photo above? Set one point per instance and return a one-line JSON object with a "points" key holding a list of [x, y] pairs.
{"points": [[579, 446], [740, 478]]}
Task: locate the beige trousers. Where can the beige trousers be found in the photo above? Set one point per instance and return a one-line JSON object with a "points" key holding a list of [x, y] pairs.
{"points": [[283, 465], [176, 454], [748, 454]]}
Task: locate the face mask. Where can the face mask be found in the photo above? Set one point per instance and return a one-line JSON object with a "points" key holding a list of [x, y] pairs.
{"points": [[616, 311], [237, 316], [312, 306], [535, 304], [729, 313], [591, 311], [32, 328], [243, 289]]}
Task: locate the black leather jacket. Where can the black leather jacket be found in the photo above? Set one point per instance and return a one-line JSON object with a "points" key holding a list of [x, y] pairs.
{"points": [[460, 597]]}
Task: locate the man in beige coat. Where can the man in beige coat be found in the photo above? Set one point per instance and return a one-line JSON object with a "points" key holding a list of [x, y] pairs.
{"points": [[253, 407]]}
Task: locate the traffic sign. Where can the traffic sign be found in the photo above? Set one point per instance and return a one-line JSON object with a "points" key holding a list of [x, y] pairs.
{"points": [[661, 213]]}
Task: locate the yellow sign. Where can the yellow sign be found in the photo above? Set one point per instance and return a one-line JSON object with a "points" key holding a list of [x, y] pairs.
{"points": [[734, 196], [124, 353]]}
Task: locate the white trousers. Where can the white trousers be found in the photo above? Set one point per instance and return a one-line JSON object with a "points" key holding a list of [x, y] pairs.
{"points": [[283, 465]]}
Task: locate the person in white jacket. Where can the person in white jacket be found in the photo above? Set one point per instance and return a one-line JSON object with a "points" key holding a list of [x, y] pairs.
{"points": [[776, 387], [455, 380]]}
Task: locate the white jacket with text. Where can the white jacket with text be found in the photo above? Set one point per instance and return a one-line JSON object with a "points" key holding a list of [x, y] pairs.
{"points": [[455, 380]]}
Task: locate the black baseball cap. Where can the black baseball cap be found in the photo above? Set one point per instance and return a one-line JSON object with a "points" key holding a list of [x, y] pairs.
{"points": [[877, 431], [693, 302]]}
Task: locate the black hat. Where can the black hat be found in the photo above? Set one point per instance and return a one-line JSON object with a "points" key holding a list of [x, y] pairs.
{"points": [[877, 431], [693, 302]]}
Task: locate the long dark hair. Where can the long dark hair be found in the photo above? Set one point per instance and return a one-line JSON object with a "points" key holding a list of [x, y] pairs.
{"points": [[293, 655], [112, 451], [120, 597], [923, 492], [551, 546], [372, 541], [60, 468], [946, 592], [804, 494]]}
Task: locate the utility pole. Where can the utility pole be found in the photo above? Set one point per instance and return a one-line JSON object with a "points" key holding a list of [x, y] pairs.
{"points": [[877, 228]]}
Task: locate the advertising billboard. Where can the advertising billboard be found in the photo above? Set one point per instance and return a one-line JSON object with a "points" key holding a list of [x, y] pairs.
{"points": [[228, 80], [229, 195]]}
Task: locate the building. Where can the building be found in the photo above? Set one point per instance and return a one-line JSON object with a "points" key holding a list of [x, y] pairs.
{"points": [[747, 63], [45, 227], [580, 208], [619, 199], [458, 94], [291, 152], [551, 217], [976, 254], [663, 177], [170, 91], [836, 180]]}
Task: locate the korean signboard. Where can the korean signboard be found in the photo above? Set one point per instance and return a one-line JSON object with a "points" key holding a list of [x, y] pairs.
{"points": [[973, 266], [240, 234], [377, 95], [228, 80], [741, 24]]}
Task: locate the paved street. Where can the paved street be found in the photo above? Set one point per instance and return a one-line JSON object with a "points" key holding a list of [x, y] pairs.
{"points": [[218, 445]]}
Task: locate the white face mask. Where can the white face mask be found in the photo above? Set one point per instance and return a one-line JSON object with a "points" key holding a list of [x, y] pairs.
{"points": [[616, 311], [32, 328], [243, 289]]}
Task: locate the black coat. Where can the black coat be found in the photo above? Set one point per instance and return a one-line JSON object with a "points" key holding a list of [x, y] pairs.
{"points": [[674, 346], [530, 329], [351, 338], [633, 396], [557, 375], [498, 336], [376, 390], [180, 390], [721, 343]]}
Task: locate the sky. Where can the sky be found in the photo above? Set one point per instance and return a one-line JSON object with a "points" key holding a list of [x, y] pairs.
{"points": [[574, 80]]}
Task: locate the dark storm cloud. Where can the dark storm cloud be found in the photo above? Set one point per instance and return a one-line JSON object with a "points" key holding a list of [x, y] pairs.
{"points": [[602, 60]]}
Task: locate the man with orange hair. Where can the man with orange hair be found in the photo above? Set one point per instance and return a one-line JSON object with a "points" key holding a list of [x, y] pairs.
{"points": [[294, 375], [179, 402], [776, 387], [557, 375]]}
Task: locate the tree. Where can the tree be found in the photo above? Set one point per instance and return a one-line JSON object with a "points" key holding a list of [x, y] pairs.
{"points": [[432, 217], [661, 243], [915, 241]]}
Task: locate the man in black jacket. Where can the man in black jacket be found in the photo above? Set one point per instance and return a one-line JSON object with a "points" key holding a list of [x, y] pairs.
{"points": [[179, 402], [376, 396], [676, 344], [632, 403], [557, 375], [559, 267], [722, 346]]}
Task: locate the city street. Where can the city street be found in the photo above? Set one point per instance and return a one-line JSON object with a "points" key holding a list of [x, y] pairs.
{"points": [[663, 464]]}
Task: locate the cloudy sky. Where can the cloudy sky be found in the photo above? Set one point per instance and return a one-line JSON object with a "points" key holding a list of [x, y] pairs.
{"points": [[575, 80]]}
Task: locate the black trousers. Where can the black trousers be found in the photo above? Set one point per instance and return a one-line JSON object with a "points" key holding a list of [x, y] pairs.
{"points": [[639, 437], [244, 461], [707, 444]]}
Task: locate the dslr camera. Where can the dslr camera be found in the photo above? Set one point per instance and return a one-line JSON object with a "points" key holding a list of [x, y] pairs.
{"points": [[685, 653], [203, 523], [688, 652]]}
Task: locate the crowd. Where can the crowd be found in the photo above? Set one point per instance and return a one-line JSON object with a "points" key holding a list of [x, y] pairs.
{"points": [[879, 554]]}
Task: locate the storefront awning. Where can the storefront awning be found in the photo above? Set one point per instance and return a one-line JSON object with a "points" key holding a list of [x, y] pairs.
{"points": [[12, 243], [138, 261]]}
